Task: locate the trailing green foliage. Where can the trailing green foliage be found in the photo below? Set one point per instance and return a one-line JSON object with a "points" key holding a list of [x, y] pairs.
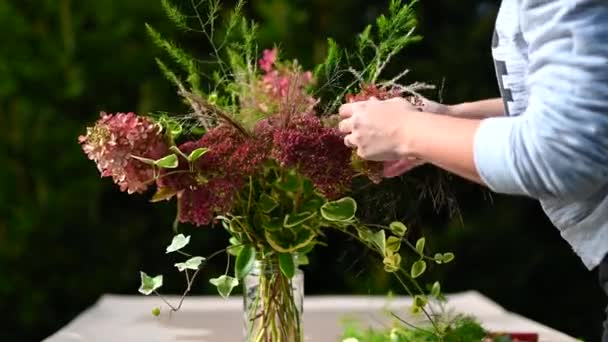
{"points": [[458, 329]]}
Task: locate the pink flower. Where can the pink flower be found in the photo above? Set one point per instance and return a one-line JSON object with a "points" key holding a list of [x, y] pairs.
{"points": [[268, 59], [113, 141]]}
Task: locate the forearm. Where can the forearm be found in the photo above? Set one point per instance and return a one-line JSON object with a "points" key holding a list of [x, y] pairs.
{"points": [[478, 109], [445, 141]]}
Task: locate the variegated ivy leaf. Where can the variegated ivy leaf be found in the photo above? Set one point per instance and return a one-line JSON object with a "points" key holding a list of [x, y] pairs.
{"points": [[179, 241], [447, 257], [149, 284], [197, 154], [235, 246], [379, 239], [392, 263], [342, 210], [190, 264], [168, 162], [420, 245], [393, 244], [418, 268], [436, 289], [398, 228], [225, 284]]}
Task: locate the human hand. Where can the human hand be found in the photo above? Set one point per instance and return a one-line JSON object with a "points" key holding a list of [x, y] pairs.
{"points": [[398, 167], [376, 129]]}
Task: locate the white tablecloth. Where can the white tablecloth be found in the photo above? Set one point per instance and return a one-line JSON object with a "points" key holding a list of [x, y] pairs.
{"points": [[117, 318]]}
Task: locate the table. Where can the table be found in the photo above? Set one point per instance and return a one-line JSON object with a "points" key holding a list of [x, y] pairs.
{"points": [[212, 319]]}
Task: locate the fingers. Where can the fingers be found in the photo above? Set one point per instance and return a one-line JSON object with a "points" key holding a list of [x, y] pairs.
{"points": [[346, 125], [399, 167], [348, 141], [347, 110]]}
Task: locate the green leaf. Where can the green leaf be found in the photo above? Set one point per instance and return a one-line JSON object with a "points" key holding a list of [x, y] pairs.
{"points": [[275, 224], [289, 240], [438, 258], [266, 203], [235, 246], [447, 257], [308, 187], [144, 160], [313, 203], [149, 284], [378, 238], [418, 269], [393, 244], [290, 182], [224, 284], [420, 301], [235, 224], [392, 263], [168, 162], [163, 194], [416, 309], [436, 289], [287, 265], [244, 262], [342, 210], [196, 154], [179, 241], [420, 245], [398, 228], [297, 219], [190, 264]]}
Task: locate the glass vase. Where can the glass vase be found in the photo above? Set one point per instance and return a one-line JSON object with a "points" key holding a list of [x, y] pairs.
{"points": [[273, 304]]}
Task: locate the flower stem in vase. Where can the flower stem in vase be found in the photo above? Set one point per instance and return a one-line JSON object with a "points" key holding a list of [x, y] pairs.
{"points": [[273, 304]]}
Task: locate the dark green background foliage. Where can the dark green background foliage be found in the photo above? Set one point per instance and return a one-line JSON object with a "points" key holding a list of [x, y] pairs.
{"points": [[66, 236]]}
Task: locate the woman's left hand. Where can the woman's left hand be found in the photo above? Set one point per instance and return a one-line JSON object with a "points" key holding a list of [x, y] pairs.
{"points": [[377, 129]]}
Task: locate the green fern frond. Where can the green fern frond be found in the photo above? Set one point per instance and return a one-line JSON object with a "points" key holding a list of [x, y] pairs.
{"points": [[174, 14], [179, 56], [332, 60], [170, 75]]}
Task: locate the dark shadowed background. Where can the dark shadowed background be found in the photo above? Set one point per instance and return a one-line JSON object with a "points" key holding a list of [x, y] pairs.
{"points": [[66, 237]]}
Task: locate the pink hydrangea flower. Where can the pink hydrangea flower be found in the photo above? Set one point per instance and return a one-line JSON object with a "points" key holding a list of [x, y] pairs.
{"points": [[113, 141]]}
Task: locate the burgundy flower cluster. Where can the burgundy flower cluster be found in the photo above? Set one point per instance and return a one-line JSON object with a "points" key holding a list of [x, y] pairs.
{"points": [[317, 152], [211, 185], [113, 141]]}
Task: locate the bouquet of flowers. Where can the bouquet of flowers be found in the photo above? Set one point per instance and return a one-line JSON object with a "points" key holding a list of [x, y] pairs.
{"points": [[258, 153]]}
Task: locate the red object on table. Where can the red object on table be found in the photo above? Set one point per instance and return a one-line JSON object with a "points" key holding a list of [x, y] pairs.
{"points": [[518, 337]]}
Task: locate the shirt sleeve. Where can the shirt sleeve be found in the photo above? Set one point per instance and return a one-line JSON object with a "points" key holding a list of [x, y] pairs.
{"points": [[558, 148]]}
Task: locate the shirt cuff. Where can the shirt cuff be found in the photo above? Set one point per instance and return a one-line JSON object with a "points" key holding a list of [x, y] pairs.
{"points": [[493, 155]]}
